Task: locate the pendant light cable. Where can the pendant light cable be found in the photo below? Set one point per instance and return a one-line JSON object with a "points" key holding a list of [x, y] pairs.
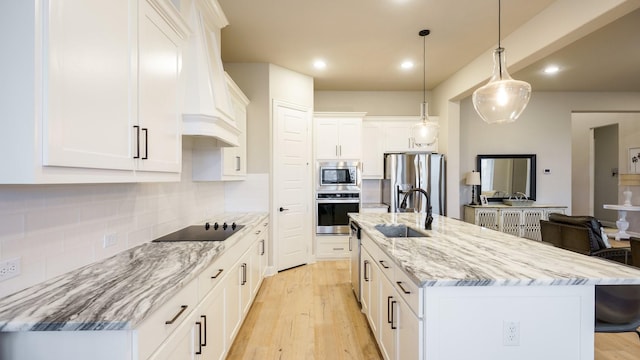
{"points": [[499, 32]]}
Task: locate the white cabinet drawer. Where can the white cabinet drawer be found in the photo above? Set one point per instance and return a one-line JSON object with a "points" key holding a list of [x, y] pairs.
{"points": [[332, 247], [163, 321], [409, 291], [214, 273], [381, 259]]}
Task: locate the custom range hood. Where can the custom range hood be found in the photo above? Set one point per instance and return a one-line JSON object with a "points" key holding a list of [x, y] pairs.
{"points": [[208, 111]]}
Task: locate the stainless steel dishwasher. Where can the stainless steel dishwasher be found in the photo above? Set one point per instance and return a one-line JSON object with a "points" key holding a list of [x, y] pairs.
{"points": [[354, 251]]}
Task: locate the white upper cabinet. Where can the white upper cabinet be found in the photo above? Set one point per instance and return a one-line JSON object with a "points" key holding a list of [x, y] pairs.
{"points": [[338, 135], [88, 84], [387, 134], [159, 92], [94, 89], [372, 150], [397, 134]]}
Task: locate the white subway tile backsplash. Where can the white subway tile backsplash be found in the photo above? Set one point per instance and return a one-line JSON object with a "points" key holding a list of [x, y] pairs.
{"points": [[58, 228]]}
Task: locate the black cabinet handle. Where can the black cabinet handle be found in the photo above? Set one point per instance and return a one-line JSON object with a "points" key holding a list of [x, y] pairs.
{"points": [[383, 264], [402, 287], [137, 155], [182, 309], [283, 209], [366, 276], [393, 327], [146, 143], [389, 309], [204, 325], [263, 247], [244, 274], [199, 338], [218, 273]]}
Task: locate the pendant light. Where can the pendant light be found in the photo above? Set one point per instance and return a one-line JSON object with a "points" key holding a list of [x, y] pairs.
{"points": [[502, 99], [425, 132]]}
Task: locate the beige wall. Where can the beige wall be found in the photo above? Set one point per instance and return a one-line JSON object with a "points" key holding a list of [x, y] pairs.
{"points": [[262, 83], [382, 103], [628, 136]]}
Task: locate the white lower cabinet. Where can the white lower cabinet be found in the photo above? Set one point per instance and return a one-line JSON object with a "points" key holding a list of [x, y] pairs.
{"points": [[332, 247], [388, 333], [199, 322], [392, 303]]}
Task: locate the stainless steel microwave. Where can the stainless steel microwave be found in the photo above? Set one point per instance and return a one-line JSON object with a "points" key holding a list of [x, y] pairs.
{"points": [[339, 176]]}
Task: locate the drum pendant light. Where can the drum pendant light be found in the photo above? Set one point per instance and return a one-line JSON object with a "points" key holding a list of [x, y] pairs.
{"points": [[502, 99], [425, 132]]}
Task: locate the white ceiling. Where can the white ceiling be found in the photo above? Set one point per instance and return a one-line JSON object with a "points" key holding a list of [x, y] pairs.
{"points": [[364, 42]]}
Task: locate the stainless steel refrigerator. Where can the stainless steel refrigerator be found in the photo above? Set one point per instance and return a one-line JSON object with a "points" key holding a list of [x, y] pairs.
{"points": [[404, 171]]}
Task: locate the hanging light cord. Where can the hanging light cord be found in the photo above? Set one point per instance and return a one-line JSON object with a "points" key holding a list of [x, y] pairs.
{"points": [[500, 49], [424, 69]]}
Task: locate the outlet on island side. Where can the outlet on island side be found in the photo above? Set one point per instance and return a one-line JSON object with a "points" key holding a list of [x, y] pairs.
{"points": [[511, 333]]}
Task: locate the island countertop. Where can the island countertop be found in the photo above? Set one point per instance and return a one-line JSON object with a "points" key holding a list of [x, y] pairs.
{"points": [[455, 253], [119, 292]]}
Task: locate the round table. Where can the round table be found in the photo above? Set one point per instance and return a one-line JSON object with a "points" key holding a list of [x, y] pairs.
{"points": [[622, 224]]}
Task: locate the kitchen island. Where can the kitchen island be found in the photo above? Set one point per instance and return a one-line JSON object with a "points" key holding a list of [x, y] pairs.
{"points": [[480, 293]]}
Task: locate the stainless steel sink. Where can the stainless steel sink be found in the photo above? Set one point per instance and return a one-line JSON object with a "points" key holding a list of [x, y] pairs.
{"points": [[399, 231]]}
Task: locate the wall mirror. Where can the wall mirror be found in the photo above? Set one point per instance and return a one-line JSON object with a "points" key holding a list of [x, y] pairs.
{"points": [[503, 175]]}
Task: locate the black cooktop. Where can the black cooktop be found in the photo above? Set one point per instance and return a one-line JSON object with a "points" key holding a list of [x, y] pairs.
{"points": [[207, 232]]}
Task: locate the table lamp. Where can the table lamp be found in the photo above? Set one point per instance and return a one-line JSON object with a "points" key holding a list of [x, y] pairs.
{"points": [[473, 179], [627, 180]]}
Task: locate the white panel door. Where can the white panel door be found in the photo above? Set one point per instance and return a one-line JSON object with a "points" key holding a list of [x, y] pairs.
{"points": [[292, 184], [88, 84]]}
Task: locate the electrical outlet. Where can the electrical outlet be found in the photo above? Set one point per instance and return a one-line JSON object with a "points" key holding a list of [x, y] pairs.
{"points": [[110, 240], [511, 333], [9, 268]]}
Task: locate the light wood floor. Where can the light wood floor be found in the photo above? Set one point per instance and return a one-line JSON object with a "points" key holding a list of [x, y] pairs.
{"points": [[310, 312]]}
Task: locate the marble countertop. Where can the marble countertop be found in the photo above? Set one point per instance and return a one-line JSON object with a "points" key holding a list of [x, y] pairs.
{"points": [[456, 253], [119, 292]]}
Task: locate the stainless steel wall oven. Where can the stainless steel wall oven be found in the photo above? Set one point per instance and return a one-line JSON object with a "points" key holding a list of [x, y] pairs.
{"points": [[332, 209]]}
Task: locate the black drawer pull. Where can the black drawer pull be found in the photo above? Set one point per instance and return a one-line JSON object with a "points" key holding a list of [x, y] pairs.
{"points": [[137, 155], [366, 275], [204, 324], [383, 264], [402, 287], [146, 144], [199, 338], [218, 273], [182, 309], [338, 248], [393, 326]]}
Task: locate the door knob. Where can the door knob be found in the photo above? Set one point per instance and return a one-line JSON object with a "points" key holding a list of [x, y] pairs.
{"points": [[282, 209]]}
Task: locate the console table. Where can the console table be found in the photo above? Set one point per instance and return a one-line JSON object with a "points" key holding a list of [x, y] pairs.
{"points": [[522, 221], [622, 224]]}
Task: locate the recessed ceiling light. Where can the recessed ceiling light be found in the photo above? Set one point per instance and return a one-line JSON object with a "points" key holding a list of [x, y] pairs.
{"points": [[407, 64], [551, 69], [319, 64]]}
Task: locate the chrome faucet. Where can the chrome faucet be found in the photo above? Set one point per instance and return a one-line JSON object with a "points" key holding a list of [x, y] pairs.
{"points": [[429, 218]]}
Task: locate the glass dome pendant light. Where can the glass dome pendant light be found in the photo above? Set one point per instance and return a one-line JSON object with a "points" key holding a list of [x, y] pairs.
{"points": [[425, 132], [502, 99]]}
